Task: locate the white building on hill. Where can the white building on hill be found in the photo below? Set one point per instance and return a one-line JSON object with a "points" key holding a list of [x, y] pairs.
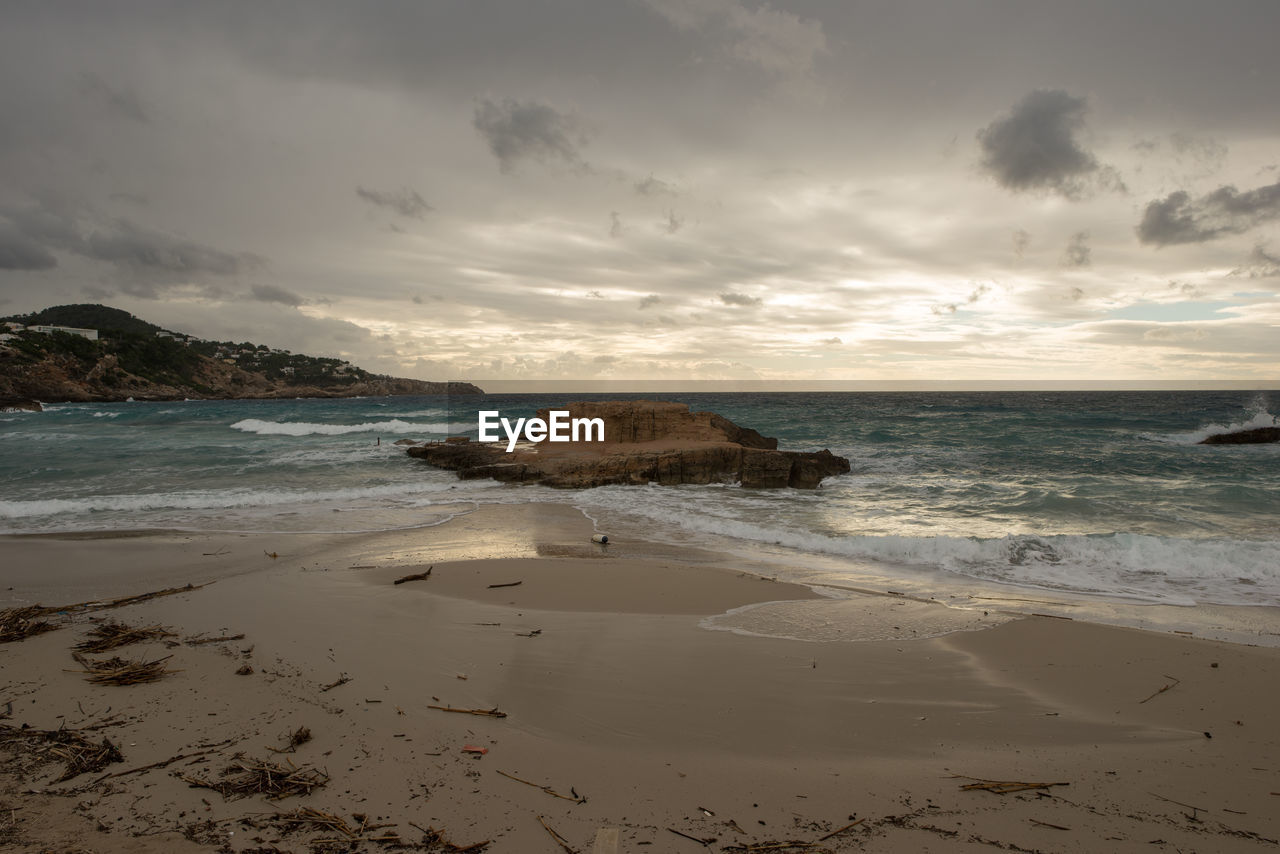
{"points": [[91, 334]]}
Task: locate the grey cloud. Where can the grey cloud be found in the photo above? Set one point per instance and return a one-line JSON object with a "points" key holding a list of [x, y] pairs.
{"points": [[952, 307], [405, 201], [652, 186], [1177, 218], [672, 223], [1037, 147], [615, 224], [780, 43], [650, 300], [18, 252], [741, 300], [1260, 264], [120, 102], [516, 131], [272, 293], [1077, 253], [832, 341], [1021, 240]]}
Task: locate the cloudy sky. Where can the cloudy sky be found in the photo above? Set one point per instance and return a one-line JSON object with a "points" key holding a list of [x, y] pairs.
{"points": [[662, 189]]}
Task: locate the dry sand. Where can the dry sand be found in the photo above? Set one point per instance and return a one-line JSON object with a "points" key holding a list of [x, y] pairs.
{"points": [[636, 719]]}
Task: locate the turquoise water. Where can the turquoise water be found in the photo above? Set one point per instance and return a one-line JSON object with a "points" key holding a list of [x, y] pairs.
{"points": [[1100, 493]]}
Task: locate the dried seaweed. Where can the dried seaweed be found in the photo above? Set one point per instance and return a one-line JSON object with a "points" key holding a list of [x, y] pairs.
{"points": [[112, 635], [246, 777], [20, 623], [69, 746], [298, 737], [119, 671]]}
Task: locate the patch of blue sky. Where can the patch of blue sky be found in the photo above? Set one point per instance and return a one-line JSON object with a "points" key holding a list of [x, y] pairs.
{"points": [[1171, 311]]}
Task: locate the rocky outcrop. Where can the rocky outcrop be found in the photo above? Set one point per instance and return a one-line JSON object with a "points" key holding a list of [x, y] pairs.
{"points": [[645, 442], [1256, 436]]}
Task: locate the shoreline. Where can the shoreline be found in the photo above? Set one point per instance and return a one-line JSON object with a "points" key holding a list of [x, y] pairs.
{"points": [[614, 691]]}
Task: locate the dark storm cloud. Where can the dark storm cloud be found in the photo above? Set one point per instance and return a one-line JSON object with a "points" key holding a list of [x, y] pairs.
{"points": [[405, 201], [119, 102], [1077, 253], [119, 242], [272, 293], [1037, 147], [516, 131], [18, 252], [1177, 218], [741, 300]]}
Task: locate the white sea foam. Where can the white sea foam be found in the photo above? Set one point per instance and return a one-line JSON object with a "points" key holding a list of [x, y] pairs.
{"points": [[215, 499], [1133, 566], [306, 428], [1261, 418]]}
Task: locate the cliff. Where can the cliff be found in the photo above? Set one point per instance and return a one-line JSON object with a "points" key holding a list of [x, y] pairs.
{"points": [[645, 442], [135, 359]]}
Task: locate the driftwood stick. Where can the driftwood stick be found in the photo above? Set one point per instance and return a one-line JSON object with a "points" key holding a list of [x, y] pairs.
{"points": [[341, 680], [488, 713], [1160, 691], [200, 641], [560, 840], [506, 584], [417, 576], [705, 843], [1047, 824]]}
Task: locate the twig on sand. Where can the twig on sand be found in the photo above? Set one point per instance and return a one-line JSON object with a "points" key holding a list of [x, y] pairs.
{"points": [[775, 847], [417, 576], [560, 840], [488, 713], [577, 799], [298, 737], [1162, 689], [341, 680], [506, 584], [848, 826], [1047, 824], [435, 837], [706, 843], [202, 641], [1001, 787]]}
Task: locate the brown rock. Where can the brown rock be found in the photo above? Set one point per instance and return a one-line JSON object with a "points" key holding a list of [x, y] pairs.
{"points": [[645, 442]]}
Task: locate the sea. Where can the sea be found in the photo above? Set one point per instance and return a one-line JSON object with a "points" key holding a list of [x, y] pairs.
{"points": [[1044, 496]]}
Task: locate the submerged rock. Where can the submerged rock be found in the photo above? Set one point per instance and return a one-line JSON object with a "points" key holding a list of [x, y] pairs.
{"points": [[1256, 436], [644, 442]]}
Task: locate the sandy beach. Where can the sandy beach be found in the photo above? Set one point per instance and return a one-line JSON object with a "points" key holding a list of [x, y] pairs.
{"points": [[604, 707]]}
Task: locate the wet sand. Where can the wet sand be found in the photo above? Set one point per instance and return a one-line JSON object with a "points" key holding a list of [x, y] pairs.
{"points": [[619, 698]]}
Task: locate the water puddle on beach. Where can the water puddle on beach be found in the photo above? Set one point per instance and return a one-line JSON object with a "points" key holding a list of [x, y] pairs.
{"points": [[858, 617]]}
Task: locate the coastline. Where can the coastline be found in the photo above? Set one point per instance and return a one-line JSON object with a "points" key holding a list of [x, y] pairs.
{"points": [[615, 690]]}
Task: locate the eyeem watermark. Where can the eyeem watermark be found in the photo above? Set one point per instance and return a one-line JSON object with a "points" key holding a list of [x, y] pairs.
{"points": [[558, 427]]}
